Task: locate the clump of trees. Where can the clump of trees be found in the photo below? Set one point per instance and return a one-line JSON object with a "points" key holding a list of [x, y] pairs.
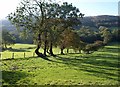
{"points": [[43, 19], [69, 39]]}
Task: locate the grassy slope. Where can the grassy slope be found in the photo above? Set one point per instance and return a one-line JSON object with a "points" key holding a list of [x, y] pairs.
{"points": [[72, 69]]}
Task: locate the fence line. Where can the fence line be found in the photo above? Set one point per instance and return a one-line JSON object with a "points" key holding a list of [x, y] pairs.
{"points": [[24, 54], [13, 55]]}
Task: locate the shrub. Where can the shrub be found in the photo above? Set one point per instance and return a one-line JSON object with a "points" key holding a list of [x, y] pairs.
{"points": [[93, 47]]}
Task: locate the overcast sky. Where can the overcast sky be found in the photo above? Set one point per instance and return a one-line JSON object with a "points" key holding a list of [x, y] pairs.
{"points": [[88, 7]]}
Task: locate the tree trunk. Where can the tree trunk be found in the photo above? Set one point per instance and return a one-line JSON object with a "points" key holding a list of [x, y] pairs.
{"points": [[75, 51], [87, 52], [80, 51], [48, 51], [5, 46], [51, 51], [37, 51], [62, 51], [45, 43], [38, 47], [45, 46], [67, 50]]}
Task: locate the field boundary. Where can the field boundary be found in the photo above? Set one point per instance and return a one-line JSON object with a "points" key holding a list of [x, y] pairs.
{"points": [[15, 55]]}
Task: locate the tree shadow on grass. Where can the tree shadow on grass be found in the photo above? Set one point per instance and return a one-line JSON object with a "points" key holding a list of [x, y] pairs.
{"points": [[100, 68], [110, 50], [108, 57], [12, 77], [93, 60]]}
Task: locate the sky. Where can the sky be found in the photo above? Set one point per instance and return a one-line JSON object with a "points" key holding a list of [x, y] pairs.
{"points": [[87, 7]]}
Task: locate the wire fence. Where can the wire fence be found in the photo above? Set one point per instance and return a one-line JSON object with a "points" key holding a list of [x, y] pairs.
{"points": [[13, 55]]}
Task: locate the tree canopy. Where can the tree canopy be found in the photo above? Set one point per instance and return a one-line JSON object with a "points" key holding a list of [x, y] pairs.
{"points": [[39, 17]]}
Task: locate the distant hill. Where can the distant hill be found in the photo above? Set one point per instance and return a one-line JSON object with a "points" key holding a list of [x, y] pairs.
{"points": [[6, 24], [92, 21], [102, 20]]}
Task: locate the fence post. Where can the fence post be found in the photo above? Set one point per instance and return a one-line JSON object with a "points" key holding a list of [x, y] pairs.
{"points": [[24, 54], [12, 55]]}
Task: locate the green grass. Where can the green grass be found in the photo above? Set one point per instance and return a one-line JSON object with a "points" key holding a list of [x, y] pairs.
{"points": [[99, 68]]}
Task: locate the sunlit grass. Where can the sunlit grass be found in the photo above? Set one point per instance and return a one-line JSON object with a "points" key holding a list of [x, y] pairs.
{"points": [[99, 68]]}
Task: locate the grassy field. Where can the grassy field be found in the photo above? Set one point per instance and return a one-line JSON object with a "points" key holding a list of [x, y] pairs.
{"points": [[99, 68]]}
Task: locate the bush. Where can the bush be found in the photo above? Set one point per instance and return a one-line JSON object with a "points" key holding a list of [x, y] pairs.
{"points": [[93, 47]]}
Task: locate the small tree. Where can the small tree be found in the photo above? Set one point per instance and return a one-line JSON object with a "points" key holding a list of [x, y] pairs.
{"points": [[7, 38], [93, 47], [106, 34]]}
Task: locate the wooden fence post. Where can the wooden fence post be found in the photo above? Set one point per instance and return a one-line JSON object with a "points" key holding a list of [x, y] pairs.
{"points": [[12, 55], [24, 54]]}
